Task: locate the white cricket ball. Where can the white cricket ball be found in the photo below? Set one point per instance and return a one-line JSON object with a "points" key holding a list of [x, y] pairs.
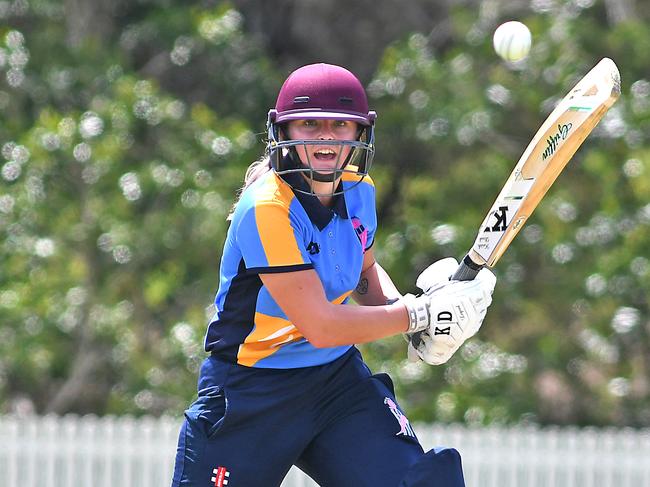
{"points": [[512, 40]]}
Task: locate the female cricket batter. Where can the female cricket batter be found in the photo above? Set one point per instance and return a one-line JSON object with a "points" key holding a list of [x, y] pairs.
{"points": [[284, 384]]}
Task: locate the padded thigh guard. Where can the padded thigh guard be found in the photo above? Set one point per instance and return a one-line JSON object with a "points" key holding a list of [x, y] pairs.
{"points": [[439, 467]]}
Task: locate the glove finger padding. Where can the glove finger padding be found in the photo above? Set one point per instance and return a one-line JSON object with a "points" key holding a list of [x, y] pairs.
{"points": [[432, 351], [456, 313], [487, 280], [473, 328], [436, 274], [487, 277], [479, 290]]}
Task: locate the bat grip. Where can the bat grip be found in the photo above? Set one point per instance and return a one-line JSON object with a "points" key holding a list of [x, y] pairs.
{"points": [[467, 270]]}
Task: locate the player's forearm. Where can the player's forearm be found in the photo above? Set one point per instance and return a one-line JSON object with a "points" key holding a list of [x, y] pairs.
{"points": [[337, 325], [375, 287]]}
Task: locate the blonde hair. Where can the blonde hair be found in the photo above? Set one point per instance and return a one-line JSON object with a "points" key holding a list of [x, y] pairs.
{"points": [[255, 171]]}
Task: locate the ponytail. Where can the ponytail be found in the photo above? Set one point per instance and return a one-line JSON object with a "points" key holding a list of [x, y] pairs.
{"points": [[255, 171]]}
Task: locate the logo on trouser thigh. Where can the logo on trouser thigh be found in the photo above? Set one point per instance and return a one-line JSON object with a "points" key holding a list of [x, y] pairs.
{"points": [[220, 478], [405, 427]]}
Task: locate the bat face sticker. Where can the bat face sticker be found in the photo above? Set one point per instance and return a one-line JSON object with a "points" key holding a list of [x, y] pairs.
{"points": [[494, 226], [500, 225]]}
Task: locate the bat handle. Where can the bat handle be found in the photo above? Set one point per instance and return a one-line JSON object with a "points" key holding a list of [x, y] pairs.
{"points": [[467, 270]]}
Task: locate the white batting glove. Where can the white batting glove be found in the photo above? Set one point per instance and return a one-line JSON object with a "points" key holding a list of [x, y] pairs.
{"points": [[450, 313], [431, 279], [436, 275]]}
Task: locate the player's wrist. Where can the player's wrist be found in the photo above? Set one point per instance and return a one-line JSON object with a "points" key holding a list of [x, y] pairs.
{"points": [[417, 309]]}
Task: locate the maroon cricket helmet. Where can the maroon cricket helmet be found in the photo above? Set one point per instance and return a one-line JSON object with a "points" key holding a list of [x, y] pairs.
{"points": [[317, 92], [322, 91]]}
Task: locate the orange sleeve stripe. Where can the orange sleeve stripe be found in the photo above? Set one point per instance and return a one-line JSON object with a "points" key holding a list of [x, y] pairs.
{"points": [[274, 227], [341, 298], [270, 332], [350, 177]]}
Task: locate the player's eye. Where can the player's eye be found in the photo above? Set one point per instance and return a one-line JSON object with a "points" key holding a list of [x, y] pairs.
{"points": [[310, 123]]}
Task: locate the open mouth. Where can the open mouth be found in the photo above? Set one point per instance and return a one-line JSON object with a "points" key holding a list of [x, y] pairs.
{"points": [[325, 155]]}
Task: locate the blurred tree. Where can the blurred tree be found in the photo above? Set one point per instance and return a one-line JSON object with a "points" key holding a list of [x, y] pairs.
{"points": [[112, 206]]}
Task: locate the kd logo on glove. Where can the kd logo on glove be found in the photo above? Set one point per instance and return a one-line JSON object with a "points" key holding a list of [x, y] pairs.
{"points": [[444, 316]]}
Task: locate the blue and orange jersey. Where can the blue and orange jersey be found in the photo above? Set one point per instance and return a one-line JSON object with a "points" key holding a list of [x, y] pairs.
{"points": [[276, 229]]}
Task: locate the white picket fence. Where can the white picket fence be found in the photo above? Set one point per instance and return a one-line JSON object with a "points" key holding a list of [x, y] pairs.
{"points": [[88, 451]]}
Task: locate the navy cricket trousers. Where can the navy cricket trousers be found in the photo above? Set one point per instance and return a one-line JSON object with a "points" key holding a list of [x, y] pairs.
{"points": [[337, 422]]}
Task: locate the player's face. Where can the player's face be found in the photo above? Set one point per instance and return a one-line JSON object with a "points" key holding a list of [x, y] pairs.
{"points": [[323, 157]]}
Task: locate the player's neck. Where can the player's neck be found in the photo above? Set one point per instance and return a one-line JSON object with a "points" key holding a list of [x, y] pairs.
{"points": [[324, 190], [327, 201]]}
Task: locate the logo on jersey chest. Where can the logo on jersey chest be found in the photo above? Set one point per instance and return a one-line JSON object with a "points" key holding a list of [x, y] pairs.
{"points": [[361, 231], [313, 248]]}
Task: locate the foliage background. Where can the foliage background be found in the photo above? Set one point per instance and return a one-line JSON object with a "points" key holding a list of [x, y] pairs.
{"points": [[125, 131]]}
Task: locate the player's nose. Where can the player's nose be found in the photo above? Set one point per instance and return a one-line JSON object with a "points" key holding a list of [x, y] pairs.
{"points": [[326, 130]]}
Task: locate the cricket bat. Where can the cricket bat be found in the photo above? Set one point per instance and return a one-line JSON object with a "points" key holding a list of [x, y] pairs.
{"points": [[548, 153]]}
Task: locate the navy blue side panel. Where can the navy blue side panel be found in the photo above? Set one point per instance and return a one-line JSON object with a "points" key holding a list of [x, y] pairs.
{"points": [[235, 322]]}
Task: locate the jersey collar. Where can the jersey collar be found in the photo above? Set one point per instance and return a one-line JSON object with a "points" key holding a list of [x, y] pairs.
{"points": [[320, 215]]}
